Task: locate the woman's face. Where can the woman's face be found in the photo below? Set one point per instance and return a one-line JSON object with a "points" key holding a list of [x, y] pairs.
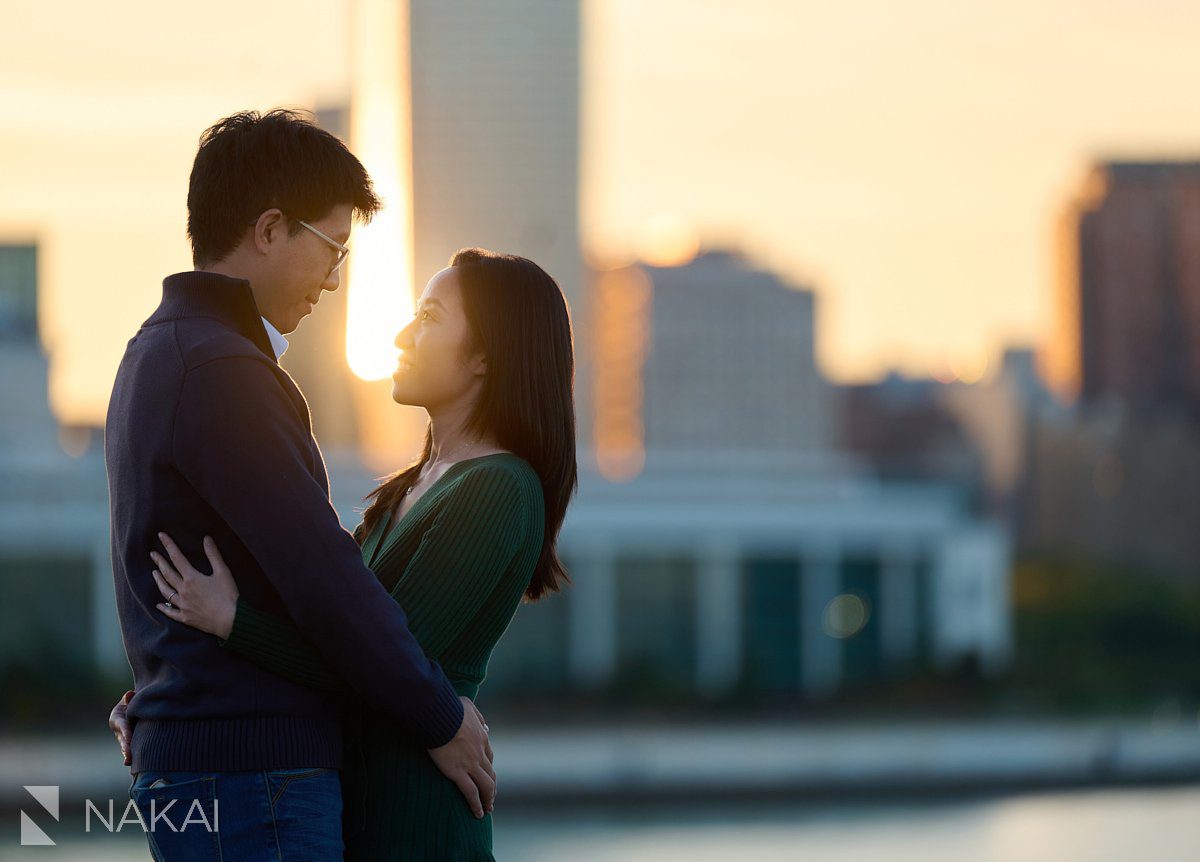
{"points": [[434, 368]]}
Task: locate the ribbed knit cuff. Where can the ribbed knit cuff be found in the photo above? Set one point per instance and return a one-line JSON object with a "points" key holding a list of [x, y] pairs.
{"points": [[243, 631], [438, 723]]}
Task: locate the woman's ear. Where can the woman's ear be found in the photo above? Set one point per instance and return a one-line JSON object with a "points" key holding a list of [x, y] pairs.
{"points": [[479, 369]]}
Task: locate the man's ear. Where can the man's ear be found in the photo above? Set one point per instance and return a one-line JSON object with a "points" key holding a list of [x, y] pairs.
{"points": [[268, 228]]}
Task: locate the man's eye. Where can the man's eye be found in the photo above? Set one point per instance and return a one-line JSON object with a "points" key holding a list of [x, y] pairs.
{"points": [[425, 314]]}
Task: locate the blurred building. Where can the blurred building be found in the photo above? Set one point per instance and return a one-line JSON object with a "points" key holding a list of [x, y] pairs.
{"points": [[28, 425], [1130, 293], [57, 611], [732, 364], [995, 415], [713, 361], [903, 429], [495, 119], [973, 435], [1104, 489]]}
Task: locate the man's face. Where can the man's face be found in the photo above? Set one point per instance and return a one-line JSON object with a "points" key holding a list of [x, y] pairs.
{"points": [[300, 267]]}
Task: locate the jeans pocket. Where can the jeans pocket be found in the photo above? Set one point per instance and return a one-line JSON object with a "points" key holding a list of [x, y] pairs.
{"points": [[180, 814], [306, 805], [279, 780]]}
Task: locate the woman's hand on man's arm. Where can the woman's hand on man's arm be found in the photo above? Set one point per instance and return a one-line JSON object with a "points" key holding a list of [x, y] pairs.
{"points": [[205, 602]]}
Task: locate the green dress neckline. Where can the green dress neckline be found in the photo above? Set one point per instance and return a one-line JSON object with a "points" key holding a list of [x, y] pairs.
{"points": [[388, 535]]}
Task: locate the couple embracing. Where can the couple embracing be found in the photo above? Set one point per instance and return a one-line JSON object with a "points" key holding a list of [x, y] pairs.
{"points": [[312, 691]]}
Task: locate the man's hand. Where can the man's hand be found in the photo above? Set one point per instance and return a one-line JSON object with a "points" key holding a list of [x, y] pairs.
{"points": [[118, 723], [467, 760]]}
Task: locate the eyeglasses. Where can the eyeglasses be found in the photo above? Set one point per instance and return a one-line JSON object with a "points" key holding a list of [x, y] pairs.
{"points": [[341, 249]]}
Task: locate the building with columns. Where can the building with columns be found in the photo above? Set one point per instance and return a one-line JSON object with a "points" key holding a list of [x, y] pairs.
{"points": [[779, 581]]}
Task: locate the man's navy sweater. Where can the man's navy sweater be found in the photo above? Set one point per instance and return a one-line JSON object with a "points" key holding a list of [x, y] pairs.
{"points": [[207, 436]]}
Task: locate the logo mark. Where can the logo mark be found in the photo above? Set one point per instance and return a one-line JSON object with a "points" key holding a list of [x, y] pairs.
{"points": [[46, 795]]}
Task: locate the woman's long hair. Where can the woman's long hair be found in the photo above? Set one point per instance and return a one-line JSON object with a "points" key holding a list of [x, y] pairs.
{"points": [[518, 318]]}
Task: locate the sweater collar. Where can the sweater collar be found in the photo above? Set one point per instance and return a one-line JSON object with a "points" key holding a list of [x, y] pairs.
{"points": [[209, 294]]}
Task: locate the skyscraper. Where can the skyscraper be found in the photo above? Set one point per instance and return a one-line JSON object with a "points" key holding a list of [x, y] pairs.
{"points": [[495, 132], [1130, 328], [27, 424]]}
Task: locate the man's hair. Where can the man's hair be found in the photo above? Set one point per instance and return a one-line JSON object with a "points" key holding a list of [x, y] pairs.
{"points": [[250, 162]]}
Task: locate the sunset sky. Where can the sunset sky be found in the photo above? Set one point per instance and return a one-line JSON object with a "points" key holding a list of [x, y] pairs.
{"points": [[907, 160]]}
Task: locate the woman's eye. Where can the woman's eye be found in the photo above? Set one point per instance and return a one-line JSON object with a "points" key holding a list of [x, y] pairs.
{"points": [[426, 314]]}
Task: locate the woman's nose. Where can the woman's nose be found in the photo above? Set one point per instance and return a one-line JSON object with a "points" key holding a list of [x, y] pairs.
{"points": [[404, 337]]}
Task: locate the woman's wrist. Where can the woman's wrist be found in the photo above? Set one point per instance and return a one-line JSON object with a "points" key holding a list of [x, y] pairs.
{"points": [[224, 625]]}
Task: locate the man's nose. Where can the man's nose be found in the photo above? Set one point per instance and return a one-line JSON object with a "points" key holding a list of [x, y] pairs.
{"points": [[332, 281]]}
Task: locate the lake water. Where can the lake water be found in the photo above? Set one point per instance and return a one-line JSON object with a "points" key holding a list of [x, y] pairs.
{"points": [[1078, 826]]}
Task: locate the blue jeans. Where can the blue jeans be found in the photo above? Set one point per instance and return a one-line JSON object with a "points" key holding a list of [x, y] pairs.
{"points": [[278, 815]]}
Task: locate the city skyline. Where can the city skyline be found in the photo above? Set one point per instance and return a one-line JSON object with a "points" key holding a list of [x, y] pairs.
{"points": [[885, 157]]}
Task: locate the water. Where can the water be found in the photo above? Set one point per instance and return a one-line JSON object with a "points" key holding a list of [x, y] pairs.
{"points": [[1081, 826], [1096, 826]]}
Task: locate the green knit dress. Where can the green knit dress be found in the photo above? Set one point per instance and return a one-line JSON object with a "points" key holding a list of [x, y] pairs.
{"points": [[458, 562]]}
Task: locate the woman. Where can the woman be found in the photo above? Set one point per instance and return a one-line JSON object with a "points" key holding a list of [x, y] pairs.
{"points": [[458, 538]]}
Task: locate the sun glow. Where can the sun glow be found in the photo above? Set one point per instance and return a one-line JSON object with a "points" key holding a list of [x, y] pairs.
{"points": [[381, 289], [667, 240]]}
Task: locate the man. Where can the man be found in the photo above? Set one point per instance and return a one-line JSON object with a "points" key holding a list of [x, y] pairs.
{"points": [[207, 436]]}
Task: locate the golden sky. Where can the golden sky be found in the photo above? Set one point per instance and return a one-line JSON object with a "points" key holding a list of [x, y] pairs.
{"points": [[907, 159]]}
